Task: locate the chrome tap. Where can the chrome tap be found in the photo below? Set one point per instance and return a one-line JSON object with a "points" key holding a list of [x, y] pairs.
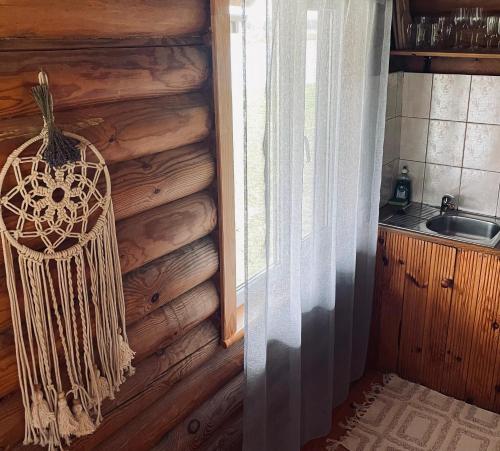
{"points": [[448, 202]]}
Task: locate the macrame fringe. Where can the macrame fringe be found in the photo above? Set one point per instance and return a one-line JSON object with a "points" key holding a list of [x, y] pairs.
{"points": [[360, 410], [89, 325]]}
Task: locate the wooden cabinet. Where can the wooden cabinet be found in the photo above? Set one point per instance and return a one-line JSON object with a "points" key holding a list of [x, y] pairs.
{"points": [[437, 316]]}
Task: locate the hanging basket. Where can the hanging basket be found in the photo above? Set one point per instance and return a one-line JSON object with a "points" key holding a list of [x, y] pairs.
{"points": [[64, 281]]}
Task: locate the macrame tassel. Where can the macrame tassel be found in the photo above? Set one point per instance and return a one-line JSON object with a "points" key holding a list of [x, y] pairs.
{"points": [[65, 421], [41, 414], [103, 389], [60, 149], [85, 426], [126, 355]]}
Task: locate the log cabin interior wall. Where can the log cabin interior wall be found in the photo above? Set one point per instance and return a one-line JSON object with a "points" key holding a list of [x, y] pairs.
{"points": [[135, 78]]}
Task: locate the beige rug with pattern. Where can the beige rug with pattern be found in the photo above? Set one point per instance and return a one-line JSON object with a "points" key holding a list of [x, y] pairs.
{"points": [[404, 416]]}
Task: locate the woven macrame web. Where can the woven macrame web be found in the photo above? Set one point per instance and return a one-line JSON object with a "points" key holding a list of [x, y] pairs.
{"points": [[64, 280], [56, 206]]}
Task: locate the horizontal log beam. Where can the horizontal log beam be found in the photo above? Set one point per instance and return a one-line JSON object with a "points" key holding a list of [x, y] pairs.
{"points": [[152, 234], [99, 19], [173, 320], [118, 418], [83, 77], [152, 286], [123, 130], [147, 182], [205, 335], [229, 437], [208, 418], [10, 44], [145, 429]]}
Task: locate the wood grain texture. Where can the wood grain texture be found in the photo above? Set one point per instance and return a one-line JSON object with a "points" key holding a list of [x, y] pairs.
{"points": [[229, 437], [152, 234], [123, 130], [435, 7], [389, 291], [147, 371], [221, 59], [151, 424], [469, 268], [202, 424], [482, 375], [173, 320], [444, 65], [102, 19], [415, 295], [10, 44], [437, 314], [83, 77], [163, 386], [450, 322], [147, 182], [157, 283]]}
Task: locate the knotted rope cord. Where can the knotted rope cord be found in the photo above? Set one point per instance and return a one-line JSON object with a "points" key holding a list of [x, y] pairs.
{"points": [[77, 231]]}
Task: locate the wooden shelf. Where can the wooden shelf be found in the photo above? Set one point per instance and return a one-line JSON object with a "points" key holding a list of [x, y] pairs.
{"points": [[445, 54]]}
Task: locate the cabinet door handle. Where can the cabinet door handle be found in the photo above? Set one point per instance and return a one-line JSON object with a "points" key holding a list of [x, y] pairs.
{"points": [[447, 283], [415, 281]]}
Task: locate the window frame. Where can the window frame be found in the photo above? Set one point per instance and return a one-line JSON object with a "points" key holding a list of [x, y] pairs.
{"points": [[232, 315]]}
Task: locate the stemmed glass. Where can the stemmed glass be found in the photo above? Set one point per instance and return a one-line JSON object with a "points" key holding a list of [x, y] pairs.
{"points": [[492, 30], [477, 22], [460, 19]]}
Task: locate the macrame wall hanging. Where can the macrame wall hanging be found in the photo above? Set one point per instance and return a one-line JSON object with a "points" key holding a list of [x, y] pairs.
{"points": [[64, 280]]}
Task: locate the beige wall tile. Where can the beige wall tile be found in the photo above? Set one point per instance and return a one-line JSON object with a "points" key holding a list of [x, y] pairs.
{"points": [[440, 180], [413, 138], [482, 147], [392, 139], [446, 142], [485, 100], [416, 95], [450, 97], [479, 191]]}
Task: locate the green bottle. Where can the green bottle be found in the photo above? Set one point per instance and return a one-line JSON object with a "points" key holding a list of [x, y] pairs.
{"points": [[402, 191]]}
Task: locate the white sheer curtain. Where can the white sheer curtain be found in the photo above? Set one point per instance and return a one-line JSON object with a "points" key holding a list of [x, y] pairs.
{"points": [[314, 101]]}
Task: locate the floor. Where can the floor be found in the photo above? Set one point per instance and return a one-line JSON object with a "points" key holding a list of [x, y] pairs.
{"points": [[345, 410]]}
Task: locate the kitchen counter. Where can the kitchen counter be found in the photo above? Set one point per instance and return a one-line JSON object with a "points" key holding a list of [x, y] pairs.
{"points": [[411, 221]]}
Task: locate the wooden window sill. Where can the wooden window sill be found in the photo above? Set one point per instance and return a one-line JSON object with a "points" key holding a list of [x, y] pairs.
{"points": [[240, 328]]}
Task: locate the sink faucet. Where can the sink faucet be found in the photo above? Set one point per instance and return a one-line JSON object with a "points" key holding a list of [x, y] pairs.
{"points": [[448, 202]]}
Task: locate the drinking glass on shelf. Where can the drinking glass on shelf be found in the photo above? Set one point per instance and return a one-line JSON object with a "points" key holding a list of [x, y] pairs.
{"points": [[492, 32], [460, 18], [411, 31], [478, 24], [422, 35]]}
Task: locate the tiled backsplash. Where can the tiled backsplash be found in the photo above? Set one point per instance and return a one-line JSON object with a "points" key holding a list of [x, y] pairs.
{"points": [[446, 129]]}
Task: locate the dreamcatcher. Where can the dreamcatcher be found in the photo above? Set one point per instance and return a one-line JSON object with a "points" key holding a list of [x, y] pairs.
{"points": [[64, 280]]}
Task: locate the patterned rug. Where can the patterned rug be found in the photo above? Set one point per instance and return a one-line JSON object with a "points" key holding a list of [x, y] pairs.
{"points": [[402, 416]]}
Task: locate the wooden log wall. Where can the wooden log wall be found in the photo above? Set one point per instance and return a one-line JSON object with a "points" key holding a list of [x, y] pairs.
{"points": [[135, 78]]}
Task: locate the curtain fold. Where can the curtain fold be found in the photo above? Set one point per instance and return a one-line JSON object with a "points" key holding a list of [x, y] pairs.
{"points": [[315, 76]]}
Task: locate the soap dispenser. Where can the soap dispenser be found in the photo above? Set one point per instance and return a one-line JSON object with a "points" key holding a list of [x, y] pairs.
{"points": [[402, 191]]}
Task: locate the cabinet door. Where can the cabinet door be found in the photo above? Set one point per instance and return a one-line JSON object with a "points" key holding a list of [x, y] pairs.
{"points": [[468, 275], [389, 290], [484, 356], [426, 307]]}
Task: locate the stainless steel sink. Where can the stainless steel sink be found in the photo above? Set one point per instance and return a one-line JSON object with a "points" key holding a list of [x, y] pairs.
{"points": [[465, 227], [455, 225]]}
